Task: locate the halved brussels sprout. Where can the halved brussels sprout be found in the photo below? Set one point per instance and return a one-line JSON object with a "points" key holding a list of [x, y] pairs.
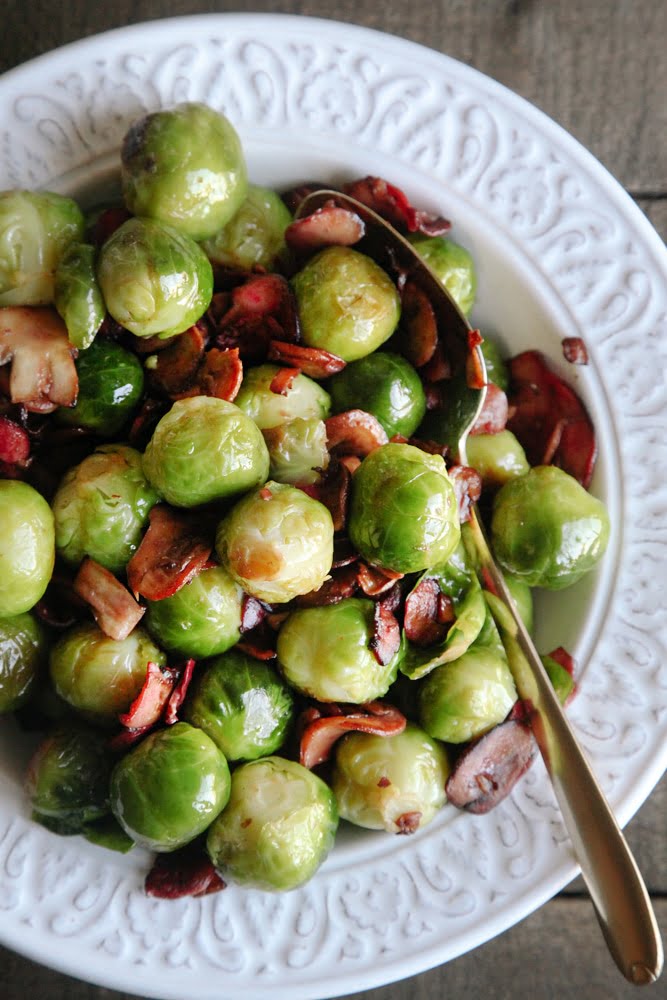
{"points": [[155, 280], [347, 304], [68, 779], [393, 783], [111, 382], [184, 166], [242, 704], [98, 676], [403, 510], [77, 295], [277, 543], [255, 235], [36, 227], [305, 398], [452, 264], [23, 653], [166, 791], [205, 449], [324, 653], [27, 547], [385, 385], [497, 457], [297, 451], [548, 530], [101, 507], [201, 619], [278, 827]]}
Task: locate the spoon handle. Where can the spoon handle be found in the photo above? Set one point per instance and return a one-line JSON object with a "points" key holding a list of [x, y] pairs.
{"points": [[618, 892]]}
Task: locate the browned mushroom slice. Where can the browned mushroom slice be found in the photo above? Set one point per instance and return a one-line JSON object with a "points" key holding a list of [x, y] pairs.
{"points": [[172, 552], [176, 366], [43, 376], [475, 374], [185, 872], [220, 375], [177, 696], [313, 361], [386, 639], [423, 611], [282, 381], [375, 581], [488, 769], [417, 338], [115, 610], [393, 205], [467, 484], [333, 491], [355, 432], [149, 704], [319, 735], [493, 415], [341, 584], [330, 225]]}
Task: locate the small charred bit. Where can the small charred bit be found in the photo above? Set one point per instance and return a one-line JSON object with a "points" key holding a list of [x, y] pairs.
{"points": [[333, 491], [312, 361], [467, 484], [493, 415], [330, 225], [253, 613], [185, 872], [179, 691], [384, 782], [43, 376], [114, 609], [220, 375], [282, 381], [147, 707], [475, 375], [408, 822], [393, 205], [386, 639], [574, 350], [176, 365], [355, 432], [421, 616], [342, 583], [375, 581], [320, 727], [172, 552], [417, 337], [252, 314], [488, 769]]}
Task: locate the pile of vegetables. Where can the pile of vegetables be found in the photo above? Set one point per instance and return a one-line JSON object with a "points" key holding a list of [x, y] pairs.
{"points": [[235, 586]]}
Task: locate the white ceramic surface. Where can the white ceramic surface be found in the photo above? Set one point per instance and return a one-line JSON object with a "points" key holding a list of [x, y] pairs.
{"points": [[561, 251]]}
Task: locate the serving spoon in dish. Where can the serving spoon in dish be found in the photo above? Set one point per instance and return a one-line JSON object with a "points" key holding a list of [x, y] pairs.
{"points": [[616, 887]]}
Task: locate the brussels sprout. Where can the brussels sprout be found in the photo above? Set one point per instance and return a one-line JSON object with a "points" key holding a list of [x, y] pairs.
{"points": [[458, 582], [546, 529], [166, 791], [205, 449], [452, 264], [297, 451], [463, 699], [35, 230], [102, 506], [111, 383], [23, 652], [277, 543], [184, 166], [497, 457], [324, 653], [154, 279], [304, 398], [242, 704], [100, 677], [256, 234], [278, 827], [347, 304], [393, 783], [77, 295], [27, 551], [385, 385], [496, 368], [403, 510], [201, 619], [68, 779]]}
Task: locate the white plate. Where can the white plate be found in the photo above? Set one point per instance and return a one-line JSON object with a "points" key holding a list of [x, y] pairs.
{"points": [[562, 251]]}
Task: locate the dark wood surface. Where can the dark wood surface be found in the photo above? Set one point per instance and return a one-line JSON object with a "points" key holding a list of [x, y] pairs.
{"points": [[598, 68]]}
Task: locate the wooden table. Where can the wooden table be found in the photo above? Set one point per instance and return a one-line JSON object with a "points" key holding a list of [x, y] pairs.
{"points": [[598, 68]]}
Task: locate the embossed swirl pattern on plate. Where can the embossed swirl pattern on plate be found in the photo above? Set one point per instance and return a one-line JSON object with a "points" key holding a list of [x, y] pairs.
{"points": [[464, 878]]}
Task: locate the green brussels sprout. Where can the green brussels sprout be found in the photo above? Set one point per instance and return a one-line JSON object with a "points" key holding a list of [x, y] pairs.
{"points": [[297, 451], [562, 679], [385, 385], [107, 832], [305, 398], [497, 457], [201, 619], [68, 779], [347, 304], [23, 652], [155, 280], [166, 791], [77, 295], [205, 449], [102, 506], [111, 383], [278, 827], [36, 227], [242, 704], [393, 783], [277, 543], [27, 547], [324, 652], [98, 676], [453, 266], [403, 509], [496, 368], [184, 166], [463, 699], [547, 529], [255, 235]]}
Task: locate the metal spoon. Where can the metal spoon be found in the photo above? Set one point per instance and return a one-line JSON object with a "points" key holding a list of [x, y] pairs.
{"points": [[617, 890]]}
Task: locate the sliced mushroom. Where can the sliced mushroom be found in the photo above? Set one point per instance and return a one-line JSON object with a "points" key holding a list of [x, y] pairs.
{"points": [[43, 376]]}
